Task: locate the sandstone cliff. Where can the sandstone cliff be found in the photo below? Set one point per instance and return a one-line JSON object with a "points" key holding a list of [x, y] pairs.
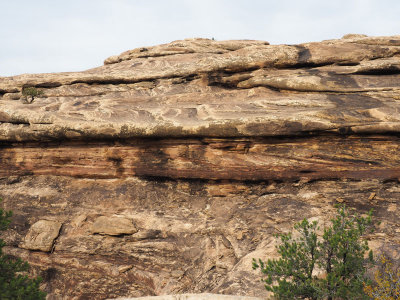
{"points": [[169, 168]]}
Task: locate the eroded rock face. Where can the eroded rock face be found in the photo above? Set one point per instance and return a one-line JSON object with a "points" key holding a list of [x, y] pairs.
{"points": [[171, 167]]}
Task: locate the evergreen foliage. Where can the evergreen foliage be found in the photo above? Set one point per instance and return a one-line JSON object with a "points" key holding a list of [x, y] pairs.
{"points": [[14, 284], [330, 266]]}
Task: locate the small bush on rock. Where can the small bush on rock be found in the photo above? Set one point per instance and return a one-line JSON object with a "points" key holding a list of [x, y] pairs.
{"points": [[331, 266], [30, 93]]}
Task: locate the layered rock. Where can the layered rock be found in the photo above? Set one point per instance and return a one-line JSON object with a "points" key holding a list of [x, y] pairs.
{"points": [[169, 168]]}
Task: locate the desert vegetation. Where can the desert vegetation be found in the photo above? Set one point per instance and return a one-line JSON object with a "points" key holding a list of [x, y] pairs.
{"points": [[30, 93], [14, 282], [386, 285], [315, 264]]}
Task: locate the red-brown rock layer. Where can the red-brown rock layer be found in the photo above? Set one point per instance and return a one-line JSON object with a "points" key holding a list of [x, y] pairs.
{"points": [[245, 159]]}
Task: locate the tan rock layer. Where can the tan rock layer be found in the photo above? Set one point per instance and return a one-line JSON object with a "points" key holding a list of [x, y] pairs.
{"points": [[183, 65], [249, 89]]}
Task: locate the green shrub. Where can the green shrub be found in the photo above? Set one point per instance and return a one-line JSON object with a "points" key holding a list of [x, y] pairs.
{"points": [[14, 284], [30, 93], [337, 255]]}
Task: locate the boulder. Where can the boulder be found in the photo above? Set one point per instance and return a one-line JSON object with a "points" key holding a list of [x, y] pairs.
{"points": [[113, 225], [41, 235]]}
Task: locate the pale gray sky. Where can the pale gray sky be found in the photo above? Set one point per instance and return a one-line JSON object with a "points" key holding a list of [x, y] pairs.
{"points": [[73, 35]]}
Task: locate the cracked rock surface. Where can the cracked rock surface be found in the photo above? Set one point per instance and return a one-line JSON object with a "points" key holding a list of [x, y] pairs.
{"points": [[167, 169]]}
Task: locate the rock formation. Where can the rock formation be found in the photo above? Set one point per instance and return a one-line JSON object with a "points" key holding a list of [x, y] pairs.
{"points": [[169, 168]]}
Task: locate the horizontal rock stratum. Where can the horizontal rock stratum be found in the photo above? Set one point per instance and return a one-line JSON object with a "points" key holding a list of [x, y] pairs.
{"points": [[167, 169]]}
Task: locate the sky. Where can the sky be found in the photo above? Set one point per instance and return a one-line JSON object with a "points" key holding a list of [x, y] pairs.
{"points": [[43, 36]]}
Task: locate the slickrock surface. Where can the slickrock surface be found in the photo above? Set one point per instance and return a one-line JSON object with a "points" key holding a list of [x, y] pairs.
{"points": [[169, 168]]}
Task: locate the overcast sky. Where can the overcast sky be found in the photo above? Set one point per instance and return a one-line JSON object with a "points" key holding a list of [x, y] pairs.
{"points": [[38, 36]]}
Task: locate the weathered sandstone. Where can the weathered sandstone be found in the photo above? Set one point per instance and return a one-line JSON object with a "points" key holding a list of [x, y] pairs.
{"points": [[169, 168], [41, 235], [113, 225]]}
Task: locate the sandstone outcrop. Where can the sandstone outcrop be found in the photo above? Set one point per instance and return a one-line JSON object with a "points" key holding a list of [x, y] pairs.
{"points": [[167, 169]]}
